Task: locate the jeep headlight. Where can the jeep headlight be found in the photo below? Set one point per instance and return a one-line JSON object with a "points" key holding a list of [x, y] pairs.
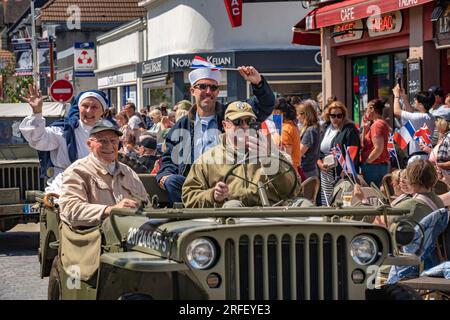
{"points": [[364, 249], [201, 253]]}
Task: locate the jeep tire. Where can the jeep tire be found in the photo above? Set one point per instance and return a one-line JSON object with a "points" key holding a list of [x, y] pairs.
{"points": [[54, 281]]}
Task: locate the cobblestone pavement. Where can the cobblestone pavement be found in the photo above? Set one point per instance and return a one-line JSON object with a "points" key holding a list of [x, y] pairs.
{"points": [[19, 264]]}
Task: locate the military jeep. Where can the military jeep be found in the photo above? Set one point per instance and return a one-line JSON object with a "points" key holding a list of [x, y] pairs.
{"points": [[19, 165], [219, 253]]}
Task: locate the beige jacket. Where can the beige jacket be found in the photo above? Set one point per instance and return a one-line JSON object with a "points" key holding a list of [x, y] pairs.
{"points": [[88, 189], [211, 168]]}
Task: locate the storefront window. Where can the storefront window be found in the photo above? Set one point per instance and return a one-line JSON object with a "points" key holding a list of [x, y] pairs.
{"points": [[158, 95], [360, 90], [374, 77]]}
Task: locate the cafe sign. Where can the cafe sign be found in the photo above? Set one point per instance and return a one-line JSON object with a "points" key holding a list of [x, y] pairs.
{"points": [[384, 24]]}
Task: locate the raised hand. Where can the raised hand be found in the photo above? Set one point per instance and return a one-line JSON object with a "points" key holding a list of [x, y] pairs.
{"points": [[250, 74], [34, 99]]}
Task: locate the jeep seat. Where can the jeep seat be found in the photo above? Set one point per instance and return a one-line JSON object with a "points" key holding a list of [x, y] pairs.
{"points": [[152, 187]]}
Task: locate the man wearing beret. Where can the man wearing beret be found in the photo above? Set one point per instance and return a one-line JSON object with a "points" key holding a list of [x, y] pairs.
{"points": [[64, 141], [199, 131], [205, 186], [98, 183]]}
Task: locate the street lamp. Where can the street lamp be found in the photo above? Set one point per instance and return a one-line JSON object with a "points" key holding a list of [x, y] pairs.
{"points": [[51, 32], [36, 78]]}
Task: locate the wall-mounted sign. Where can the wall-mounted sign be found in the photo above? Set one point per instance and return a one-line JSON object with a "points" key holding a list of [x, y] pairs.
{"points": [[153, 67], [184, 61], [384, 24], [442, 30], [84, 59], [234, 9], [355, 31]]}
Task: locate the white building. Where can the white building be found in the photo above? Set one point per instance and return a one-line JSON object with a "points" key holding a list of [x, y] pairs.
{"points": [[118, 53], [178, 30]]}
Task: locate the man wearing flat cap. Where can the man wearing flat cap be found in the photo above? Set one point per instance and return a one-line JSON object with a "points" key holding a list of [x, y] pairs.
{"points": [[205, 186], [199, 131], [98, 183], [64, 141]]}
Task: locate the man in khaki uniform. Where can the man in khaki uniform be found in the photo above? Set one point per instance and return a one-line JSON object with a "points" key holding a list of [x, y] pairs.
{"points": [[204, 186], [98, 183]]}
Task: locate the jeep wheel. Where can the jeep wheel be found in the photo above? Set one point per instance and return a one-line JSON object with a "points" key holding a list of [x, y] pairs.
{"points": [[54, 281], [393, 292]]}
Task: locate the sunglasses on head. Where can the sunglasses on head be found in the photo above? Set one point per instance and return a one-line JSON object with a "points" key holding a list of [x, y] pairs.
{"points": [[204, 86], [240, 122], [336, 115]]}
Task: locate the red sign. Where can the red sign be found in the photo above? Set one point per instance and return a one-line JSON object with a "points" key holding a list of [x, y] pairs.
{"points": [[351, 10], [61, 91], [234, 9]]}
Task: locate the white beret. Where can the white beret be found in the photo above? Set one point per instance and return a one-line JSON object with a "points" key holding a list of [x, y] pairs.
{"points": [[204, 73]]}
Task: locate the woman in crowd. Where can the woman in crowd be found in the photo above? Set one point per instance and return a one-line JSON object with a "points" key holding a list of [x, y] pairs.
{"points": [[122, 121], [374, 139], [155, 130], [442, 126], [290, 135], [310, 138], [422, 177], [337, 130]]}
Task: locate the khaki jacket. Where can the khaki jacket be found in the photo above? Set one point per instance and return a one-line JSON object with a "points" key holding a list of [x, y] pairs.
{"points": [[211, 168], [88, 189]]}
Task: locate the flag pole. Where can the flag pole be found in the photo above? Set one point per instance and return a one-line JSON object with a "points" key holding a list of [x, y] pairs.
{"points": [[219, 68]]}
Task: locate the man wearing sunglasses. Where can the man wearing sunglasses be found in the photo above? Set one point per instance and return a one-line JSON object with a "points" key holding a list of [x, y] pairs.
{"points": [[205, 186], [199, 131]]}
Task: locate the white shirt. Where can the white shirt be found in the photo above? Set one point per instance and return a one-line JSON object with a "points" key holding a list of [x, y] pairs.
{"points": [[417, 119], [52, 139], [134, 122], [330, 133]]}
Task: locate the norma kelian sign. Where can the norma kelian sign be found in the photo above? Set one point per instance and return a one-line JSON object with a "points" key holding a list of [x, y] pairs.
{"points": [[234, 9]]}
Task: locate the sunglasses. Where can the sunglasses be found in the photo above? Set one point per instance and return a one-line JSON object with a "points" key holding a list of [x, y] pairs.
{"points": [[301, 113], [241, 122], [204, 86], [336, 115]]}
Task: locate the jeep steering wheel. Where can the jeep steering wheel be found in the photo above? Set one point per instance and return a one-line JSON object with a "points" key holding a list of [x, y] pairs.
{"points": [[262, 187]]}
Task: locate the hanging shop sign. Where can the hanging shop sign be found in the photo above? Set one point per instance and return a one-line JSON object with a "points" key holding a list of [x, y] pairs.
{"points": [[442, 30], [384, 24], [234, 10]]}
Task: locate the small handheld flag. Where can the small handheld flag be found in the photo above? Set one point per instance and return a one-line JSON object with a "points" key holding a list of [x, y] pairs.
{"points": [[405, 135], [423, 133]]}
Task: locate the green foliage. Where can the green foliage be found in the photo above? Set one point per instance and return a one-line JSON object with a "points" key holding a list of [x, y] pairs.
{"points": [[13, 85]]}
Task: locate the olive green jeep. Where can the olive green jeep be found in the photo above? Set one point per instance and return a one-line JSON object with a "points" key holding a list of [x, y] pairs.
{"points": [[19, 165], [271, 252]]}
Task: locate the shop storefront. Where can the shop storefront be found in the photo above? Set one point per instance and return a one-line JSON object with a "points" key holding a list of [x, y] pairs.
{"points": [[289, 72], [367, 47], [120, 85], [442, 39]]}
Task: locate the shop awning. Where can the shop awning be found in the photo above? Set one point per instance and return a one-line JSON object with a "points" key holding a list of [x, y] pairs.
{"points": [[351, 10], [301, 36]]}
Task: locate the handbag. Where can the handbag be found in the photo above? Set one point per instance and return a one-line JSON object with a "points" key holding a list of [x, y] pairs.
{"points": [[330, 161]]}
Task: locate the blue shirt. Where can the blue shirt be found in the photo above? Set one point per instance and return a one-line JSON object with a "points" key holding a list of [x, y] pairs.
{"points": [[206, 134]]}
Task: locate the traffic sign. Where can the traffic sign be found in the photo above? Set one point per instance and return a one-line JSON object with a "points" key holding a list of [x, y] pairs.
{"points": [[61, 90]]}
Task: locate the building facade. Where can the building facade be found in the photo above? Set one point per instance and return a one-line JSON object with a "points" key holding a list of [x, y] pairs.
{"points": [[179, 30], [368, 47]]}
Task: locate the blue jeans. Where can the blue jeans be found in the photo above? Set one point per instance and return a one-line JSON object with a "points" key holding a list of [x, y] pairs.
{"points": [[374, 172], [173, 185]]}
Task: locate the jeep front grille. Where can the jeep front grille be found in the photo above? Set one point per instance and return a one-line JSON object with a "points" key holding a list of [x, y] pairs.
{"points": [[22, 177], [260, 267]]}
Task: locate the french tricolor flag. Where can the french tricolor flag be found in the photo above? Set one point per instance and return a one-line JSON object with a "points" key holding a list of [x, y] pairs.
{"points": [[405, 135], [273, 126], [200, 62]]}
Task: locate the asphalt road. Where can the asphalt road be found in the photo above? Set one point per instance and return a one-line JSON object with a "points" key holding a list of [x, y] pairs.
{"points": [[19, 265]]}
